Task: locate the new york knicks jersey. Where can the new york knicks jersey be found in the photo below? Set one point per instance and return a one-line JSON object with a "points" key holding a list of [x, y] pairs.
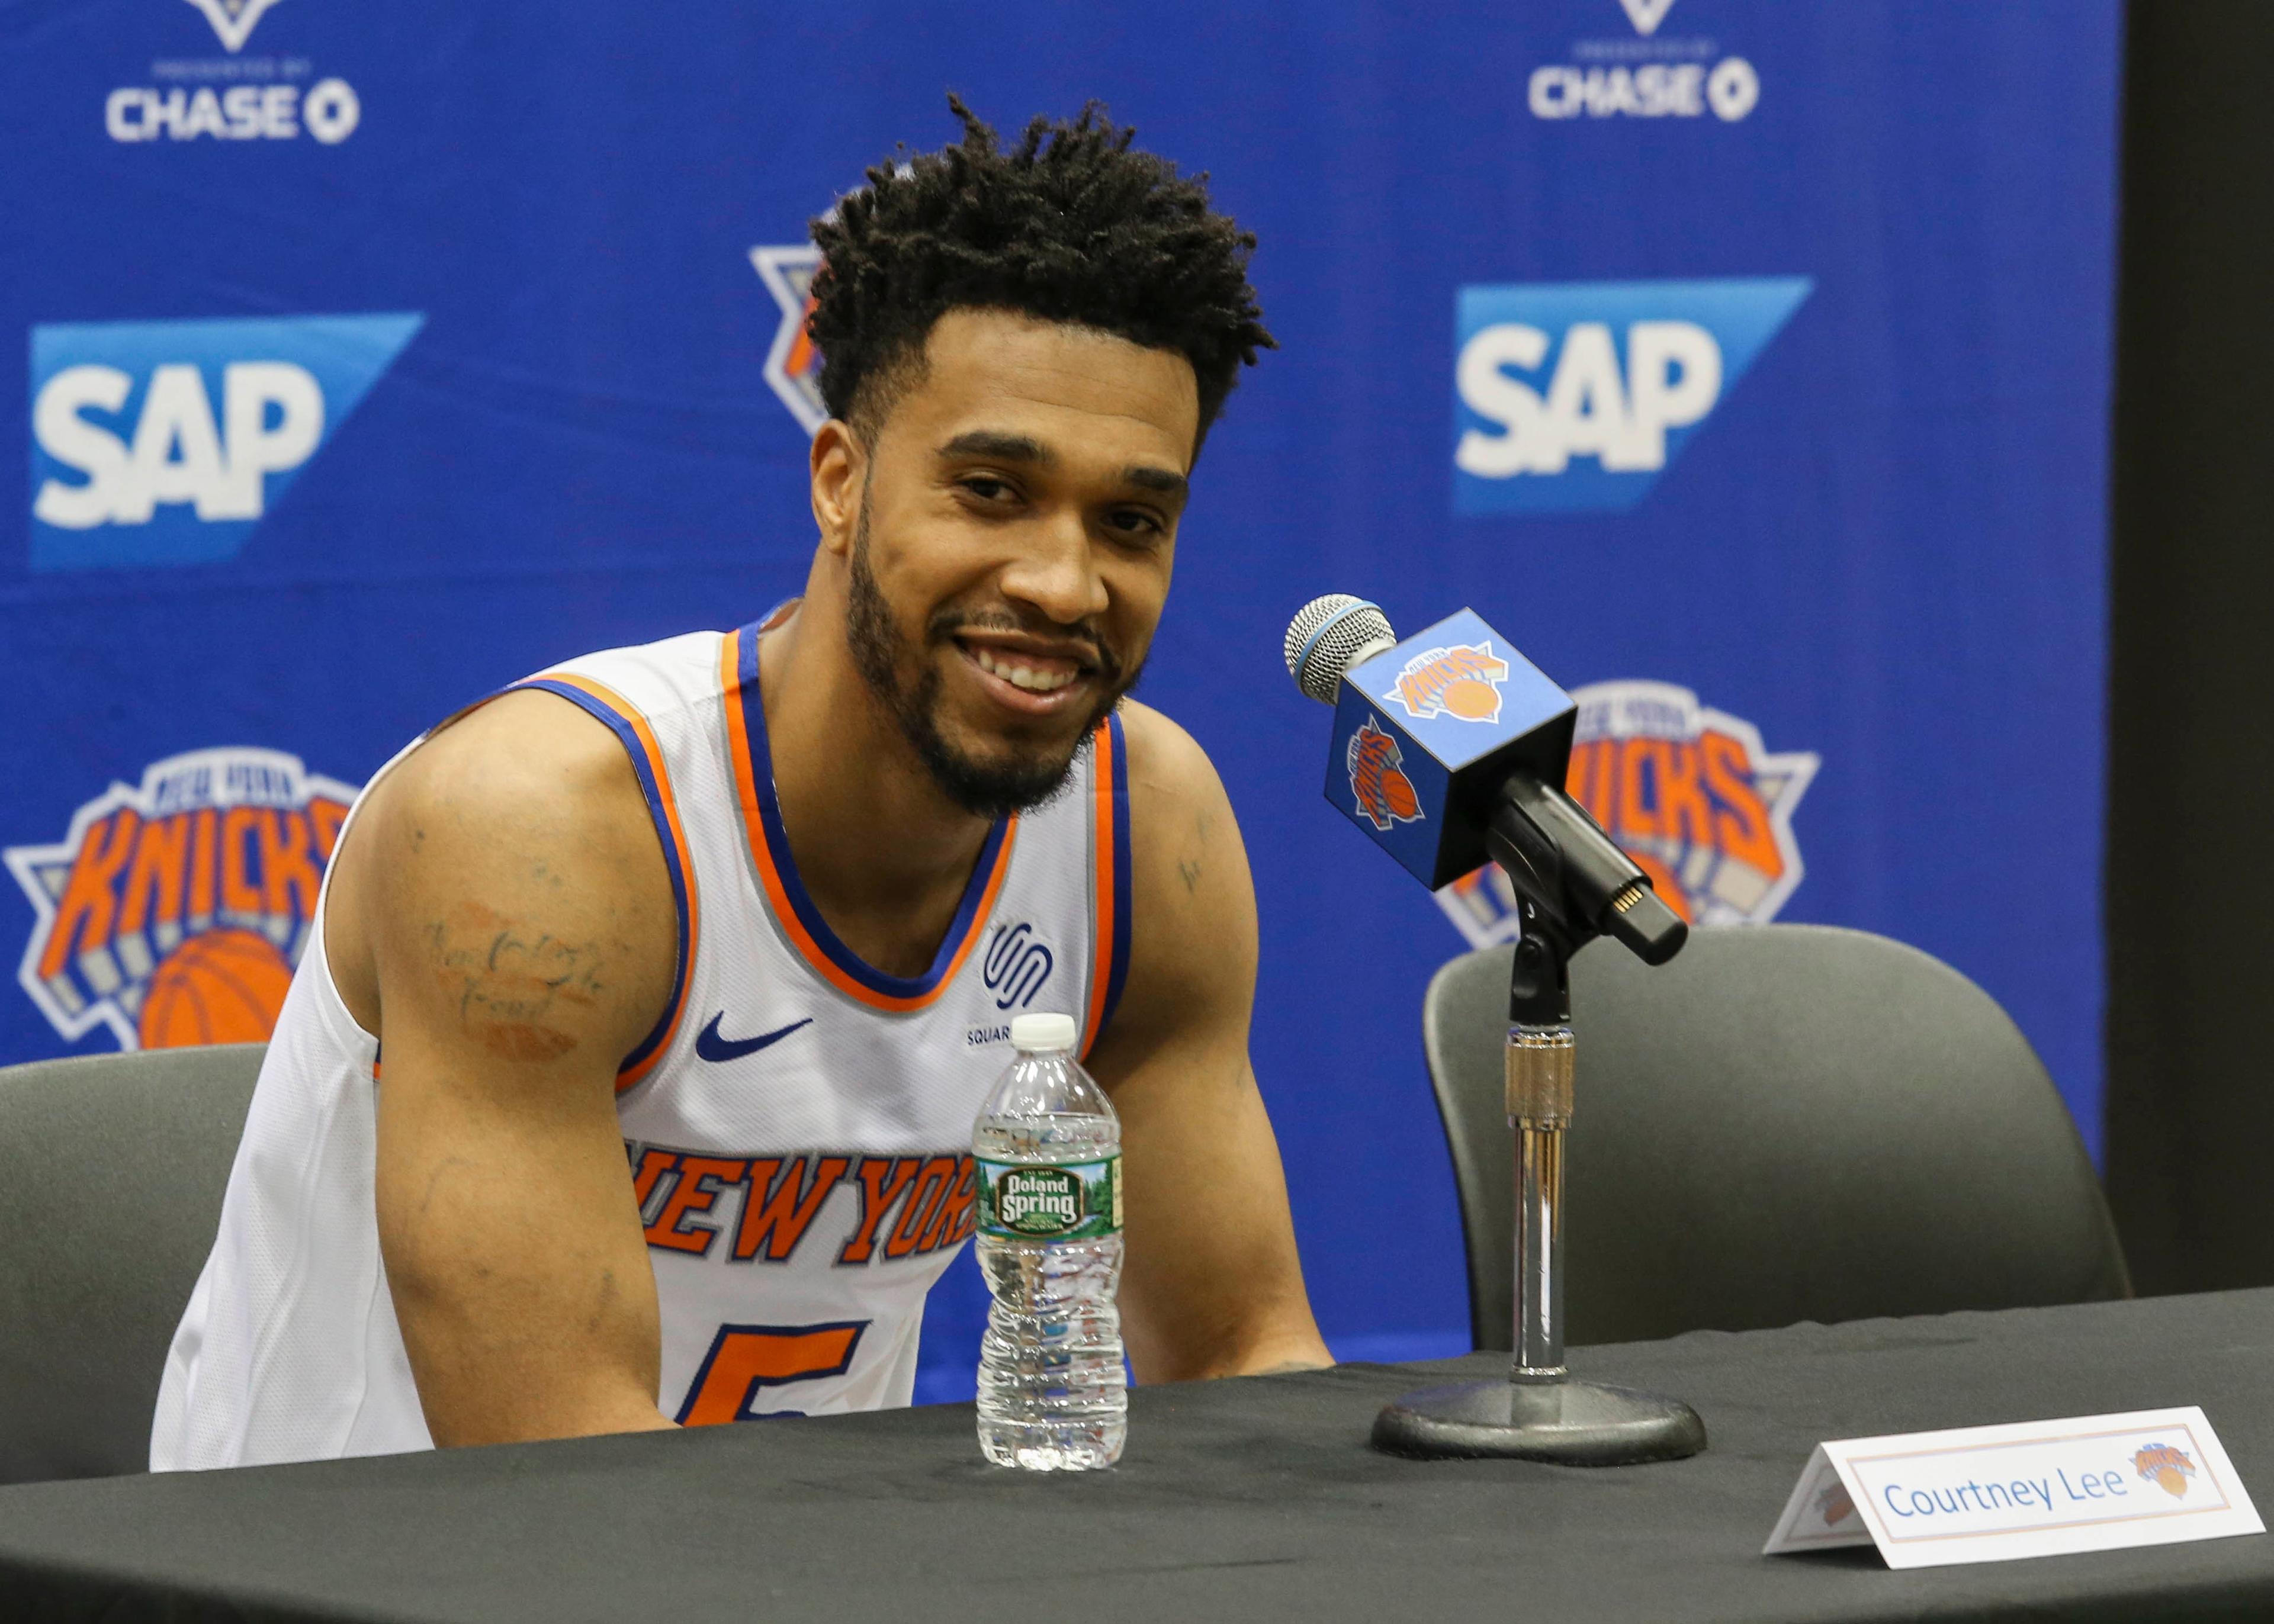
{"points": [[797, 1127]]}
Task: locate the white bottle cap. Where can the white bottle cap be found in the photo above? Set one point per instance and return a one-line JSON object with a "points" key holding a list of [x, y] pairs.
{"points": [[1037, 1033]]}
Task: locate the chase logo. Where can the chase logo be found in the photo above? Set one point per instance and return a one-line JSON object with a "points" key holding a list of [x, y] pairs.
{"points": [[1575, 396], [158, 443]]}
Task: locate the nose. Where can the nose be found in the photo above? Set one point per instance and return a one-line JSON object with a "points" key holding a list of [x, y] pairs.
{"points": [[1056, 571]]}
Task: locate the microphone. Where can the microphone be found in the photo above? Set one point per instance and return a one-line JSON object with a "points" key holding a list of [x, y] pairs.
{"points": [[1449, 750]]}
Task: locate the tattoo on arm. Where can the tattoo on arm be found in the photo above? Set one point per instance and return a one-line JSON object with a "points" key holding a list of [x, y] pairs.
{"points": [[1189, 868], [510, 980]]}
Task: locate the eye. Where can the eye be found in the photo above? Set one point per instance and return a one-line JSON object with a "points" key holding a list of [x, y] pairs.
{"points": [[1133, 524], [987, 487]]}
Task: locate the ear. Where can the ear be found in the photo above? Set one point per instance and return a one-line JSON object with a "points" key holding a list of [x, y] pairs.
{"points": [[839, 464]]}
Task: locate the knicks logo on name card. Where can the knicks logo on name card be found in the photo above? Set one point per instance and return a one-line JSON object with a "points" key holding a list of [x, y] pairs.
{"points": [[1690, 792], [1384, 794], [1462, 682], [174, 909], [2167, 1468]]}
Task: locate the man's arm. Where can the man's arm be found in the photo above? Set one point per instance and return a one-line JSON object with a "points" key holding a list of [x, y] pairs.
{"points": [[1212, 1285], [503, 898]]}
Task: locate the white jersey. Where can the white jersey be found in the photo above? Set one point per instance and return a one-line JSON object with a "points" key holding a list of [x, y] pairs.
{"points": [[798, 1126]]}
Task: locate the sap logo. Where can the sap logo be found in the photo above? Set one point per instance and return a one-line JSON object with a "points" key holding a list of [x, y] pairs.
{"points": [[1016, 966], [167, 442], [1571, 396]]}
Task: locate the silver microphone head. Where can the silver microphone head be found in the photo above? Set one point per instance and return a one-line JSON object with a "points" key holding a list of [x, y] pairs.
{"points": [[1330, 635]]}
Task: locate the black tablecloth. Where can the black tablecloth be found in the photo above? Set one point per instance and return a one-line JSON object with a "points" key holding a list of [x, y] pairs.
{"points": [[1254, 1500]]}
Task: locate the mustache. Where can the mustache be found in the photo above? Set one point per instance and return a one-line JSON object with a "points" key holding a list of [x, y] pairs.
{"points": [[946, 623]]}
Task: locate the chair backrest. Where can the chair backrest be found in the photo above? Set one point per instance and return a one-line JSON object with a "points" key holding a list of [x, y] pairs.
{"points": [[112, 1169], [1786, 1122]]}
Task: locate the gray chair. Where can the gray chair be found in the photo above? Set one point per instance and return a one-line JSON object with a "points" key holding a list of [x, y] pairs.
{"points": [[1786, 1123], [111, 1173]]}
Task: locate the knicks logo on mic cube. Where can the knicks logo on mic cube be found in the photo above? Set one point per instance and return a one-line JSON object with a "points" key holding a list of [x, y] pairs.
{"points": [[1410, 722]]}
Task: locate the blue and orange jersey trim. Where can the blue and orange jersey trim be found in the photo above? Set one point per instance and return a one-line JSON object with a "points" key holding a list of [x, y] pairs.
{"points": [[793, 908], [1110, 842], [606, 705]]}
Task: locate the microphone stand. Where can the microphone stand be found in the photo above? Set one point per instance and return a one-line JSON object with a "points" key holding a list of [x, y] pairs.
{"points": [[1540, 1412]]}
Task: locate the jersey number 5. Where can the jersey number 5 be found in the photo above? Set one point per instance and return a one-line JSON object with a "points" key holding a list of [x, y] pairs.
{"points": [[744, 1359]]}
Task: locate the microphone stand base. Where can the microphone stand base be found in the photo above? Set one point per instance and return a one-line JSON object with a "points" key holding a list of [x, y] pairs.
{"points": [[1570, 1423]]}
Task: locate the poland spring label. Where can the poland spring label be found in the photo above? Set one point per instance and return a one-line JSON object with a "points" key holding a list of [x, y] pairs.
{"points": [[1076, 1201]]}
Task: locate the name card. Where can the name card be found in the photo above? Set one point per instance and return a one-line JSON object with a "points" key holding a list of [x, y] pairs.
{"points": [[1993, 1493]]}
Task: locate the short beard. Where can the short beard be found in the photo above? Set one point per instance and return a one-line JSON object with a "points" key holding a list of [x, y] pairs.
{"points": [[987, 790]]}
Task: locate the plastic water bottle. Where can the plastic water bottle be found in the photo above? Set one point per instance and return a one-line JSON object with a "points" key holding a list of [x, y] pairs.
{"points": [[1053, 1395]]}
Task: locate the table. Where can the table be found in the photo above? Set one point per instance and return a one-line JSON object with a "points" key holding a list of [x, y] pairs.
{"points": [[1254, 1500]]}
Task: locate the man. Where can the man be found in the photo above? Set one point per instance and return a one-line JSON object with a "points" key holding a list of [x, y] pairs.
{"points": [[758, 907]]}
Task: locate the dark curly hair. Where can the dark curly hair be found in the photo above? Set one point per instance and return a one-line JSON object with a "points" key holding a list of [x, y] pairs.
{"points": [[1070, 225]]}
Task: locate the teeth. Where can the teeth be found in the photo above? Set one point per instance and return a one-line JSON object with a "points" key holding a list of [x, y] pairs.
{"points": [[1022, 676]]}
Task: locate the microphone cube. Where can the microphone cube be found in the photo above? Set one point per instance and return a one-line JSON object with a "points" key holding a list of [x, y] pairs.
{"points": [[1427, 734]]}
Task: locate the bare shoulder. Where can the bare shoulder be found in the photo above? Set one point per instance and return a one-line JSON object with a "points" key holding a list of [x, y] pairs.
{"points": [[508, 873], [1192, 901]]}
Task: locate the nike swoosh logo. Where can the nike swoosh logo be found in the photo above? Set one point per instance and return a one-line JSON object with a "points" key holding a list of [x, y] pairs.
{"points": [[714, 1047]]}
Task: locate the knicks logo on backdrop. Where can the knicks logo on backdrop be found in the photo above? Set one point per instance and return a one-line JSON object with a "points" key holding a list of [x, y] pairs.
{"points": [[793, 367], [158, 443], [1576, 397], [1689, 792], [174, 910]]}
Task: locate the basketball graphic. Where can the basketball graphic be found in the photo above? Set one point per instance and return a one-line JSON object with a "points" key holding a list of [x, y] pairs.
{"points": [[219, 986], [1471, 699]]}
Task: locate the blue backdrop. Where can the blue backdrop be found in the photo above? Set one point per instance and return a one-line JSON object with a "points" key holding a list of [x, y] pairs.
{"points": [[1745, 361]]}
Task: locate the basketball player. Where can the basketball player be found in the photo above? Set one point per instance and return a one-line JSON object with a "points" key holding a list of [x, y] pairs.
{"points": [[758, 907]]}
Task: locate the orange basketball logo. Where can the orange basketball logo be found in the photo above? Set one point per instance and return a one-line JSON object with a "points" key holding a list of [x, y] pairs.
{"points": [[174, 911], [1462, 682], [2165, 1466], [222, 987], [1385, 795]]}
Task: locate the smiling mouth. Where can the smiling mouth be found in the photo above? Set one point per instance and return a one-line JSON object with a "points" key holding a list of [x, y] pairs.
{"points": [[1027, 683], [1035, 675]]}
